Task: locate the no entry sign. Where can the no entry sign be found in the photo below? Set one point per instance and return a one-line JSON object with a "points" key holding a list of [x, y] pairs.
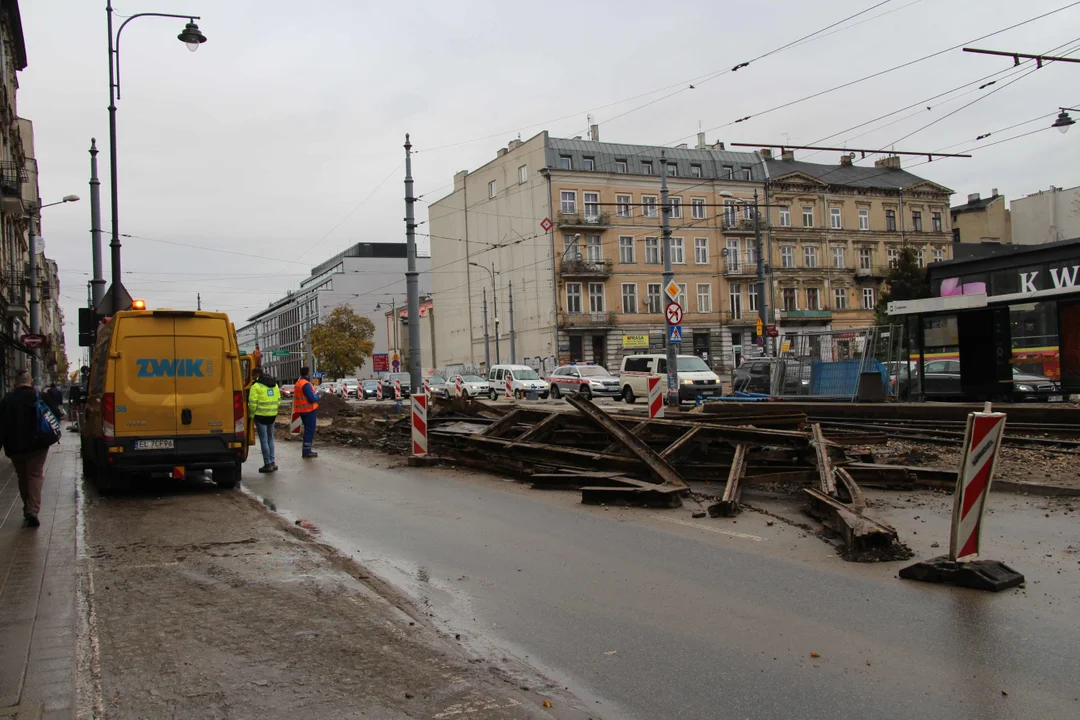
{"points": [[981, 442]]}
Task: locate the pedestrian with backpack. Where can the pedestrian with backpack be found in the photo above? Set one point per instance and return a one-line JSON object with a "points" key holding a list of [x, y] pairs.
{"points": [[264, 399], [28, 427]]}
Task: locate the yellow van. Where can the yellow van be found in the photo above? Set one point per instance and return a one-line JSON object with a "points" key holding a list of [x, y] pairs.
{"points": [[166, 395]]}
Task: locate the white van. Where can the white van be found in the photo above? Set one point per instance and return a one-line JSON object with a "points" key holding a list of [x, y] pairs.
{"points": [[695, 377], [523, 379]]}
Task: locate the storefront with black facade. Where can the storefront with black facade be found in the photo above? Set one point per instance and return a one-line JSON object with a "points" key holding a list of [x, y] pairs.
{"points": [[1015, 309]]}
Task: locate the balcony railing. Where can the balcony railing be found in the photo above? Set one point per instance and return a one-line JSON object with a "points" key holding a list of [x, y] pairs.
{"points": [[875, 271], [586, 219], [741, 224], [587, 320], [572, 266], [12, 176], [734, 264]]}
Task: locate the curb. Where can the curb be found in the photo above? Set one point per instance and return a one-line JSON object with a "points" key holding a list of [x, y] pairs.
{"points": [[1034, 489]]}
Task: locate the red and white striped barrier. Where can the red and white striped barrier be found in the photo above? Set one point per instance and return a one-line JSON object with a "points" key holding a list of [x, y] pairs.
{"points": [[656, 398], [378, 391], [295, 424], [397, 389], [427, 386], [981, 442], [419, 424], [510, 387], [459, 387]]}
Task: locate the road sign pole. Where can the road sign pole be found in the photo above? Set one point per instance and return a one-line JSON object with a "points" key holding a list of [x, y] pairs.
{"points": [[669, 277]]}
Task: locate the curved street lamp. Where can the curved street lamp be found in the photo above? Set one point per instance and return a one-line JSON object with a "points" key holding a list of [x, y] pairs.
{"points": [[1064, 121], [117, 297]]}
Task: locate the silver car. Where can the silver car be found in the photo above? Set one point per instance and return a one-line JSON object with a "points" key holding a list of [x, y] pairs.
{"points": [[471, 385], [588, 380]]}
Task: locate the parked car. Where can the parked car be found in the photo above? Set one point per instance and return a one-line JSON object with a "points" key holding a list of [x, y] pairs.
{"points": [[438, 385], [287, 390], [755, 375], [367, 389], [349, 387], [523, 379], [388, 385], [695, 377], [471, 385], [588, 380], [327, 388], [942, 382]]}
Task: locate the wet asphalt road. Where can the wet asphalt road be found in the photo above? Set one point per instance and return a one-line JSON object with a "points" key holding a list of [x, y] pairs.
{"points": [[649, 615]]}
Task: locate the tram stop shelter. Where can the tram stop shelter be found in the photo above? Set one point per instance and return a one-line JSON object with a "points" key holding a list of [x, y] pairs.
{"points": [[1009, 308]]}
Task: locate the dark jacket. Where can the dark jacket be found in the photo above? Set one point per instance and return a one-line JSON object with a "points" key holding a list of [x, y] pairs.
{"points": [[54, 398], [18, 421]]}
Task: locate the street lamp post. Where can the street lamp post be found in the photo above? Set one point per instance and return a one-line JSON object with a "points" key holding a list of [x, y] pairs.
{"points": [[35, 293], [117, 297], [669, 277], [494, 309]]}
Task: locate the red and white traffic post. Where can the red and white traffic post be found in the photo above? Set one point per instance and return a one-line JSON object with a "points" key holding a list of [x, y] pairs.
{"points": [[459, 387], [656, 397], [427, 386], [295, 424], [509, 386], [378, 391], [397, 389], [419, 424], [981, 442]]}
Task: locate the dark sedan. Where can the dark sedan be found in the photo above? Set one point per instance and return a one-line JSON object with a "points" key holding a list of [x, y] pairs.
{"points": [[942, 381]]}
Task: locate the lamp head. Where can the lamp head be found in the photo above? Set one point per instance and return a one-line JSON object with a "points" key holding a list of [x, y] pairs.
{"points": [[192, 36]]}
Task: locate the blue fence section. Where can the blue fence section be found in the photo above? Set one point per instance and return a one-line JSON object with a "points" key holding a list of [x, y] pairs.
{"points": [[842, 377]]}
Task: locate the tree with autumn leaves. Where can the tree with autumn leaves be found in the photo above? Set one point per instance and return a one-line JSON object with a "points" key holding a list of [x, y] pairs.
{"points": [[342, 343]]}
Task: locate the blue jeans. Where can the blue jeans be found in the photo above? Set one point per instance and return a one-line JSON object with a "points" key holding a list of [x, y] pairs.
{"points": [[308, 419], [266, 442]]}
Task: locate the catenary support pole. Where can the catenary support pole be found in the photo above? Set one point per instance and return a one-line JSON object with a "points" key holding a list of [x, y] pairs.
{"points": [[412, 287], [97, 283], [487, 345], [35, 305], [762, 303], [669, 277], [495, 313], [510, 300]]}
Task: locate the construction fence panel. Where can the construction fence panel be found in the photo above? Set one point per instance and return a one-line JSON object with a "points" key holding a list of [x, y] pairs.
{"points": [[838, 364]]}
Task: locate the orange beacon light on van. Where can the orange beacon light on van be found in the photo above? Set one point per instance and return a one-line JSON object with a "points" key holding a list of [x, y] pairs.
{"points": [[138, 304]]}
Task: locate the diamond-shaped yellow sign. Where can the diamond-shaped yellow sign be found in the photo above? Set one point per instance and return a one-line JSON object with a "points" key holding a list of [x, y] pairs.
{"points": [[672, 290]]}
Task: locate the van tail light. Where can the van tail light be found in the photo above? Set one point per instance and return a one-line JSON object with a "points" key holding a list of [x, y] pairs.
{"points": [[238, 413], [108, 416]]}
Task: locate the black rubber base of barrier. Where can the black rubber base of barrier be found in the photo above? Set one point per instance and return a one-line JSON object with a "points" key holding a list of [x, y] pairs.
{"points": [[977, 574]]}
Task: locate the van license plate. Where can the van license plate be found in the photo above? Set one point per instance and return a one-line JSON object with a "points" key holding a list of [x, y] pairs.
{"points": [[154, 444]]}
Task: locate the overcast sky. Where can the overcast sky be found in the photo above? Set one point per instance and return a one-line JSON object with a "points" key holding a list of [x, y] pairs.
{"points": [[279, 141]]}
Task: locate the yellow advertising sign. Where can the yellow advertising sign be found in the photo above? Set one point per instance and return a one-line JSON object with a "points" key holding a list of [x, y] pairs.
{"points": [[785, 347], [635, 341]]}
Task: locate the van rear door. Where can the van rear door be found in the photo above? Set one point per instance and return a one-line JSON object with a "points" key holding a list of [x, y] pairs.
{"points": [[204, 382], [144, 382]]}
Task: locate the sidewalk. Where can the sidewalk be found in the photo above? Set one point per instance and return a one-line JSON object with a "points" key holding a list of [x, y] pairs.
{"points": [[37, 593]]}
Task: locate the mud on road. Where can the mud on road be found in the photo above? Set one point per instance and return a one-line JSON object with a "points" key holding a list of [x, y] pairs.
{"points": [[204, 604]]}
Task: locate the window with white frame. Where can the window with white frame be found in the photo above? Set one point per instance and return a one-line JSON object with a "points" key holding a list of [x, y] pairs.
{"points": [[591, 202], [728, 172], [894, 256], [701, 251], [704, 297], [596, 297], [620, 166], [838, 259], [746, 173], [916, 221], [735, 300], [813, 299], [646, 168], [590, 163], [594, 251], [629, 298], [697, 208], [677, 255], [836, 219], [573, 297], [523, 173], [626, 249], [571, 251], [920, 256], [864, 219], [808, 216], [939, 254], [731, 213], [695, 171], [565, 162], [676, 207], [622, 206], [810, 256], [672, 170], [491, 189], [785, 216], [648, 206], [568, 201], [681, 299], [866, 258], [747, 211], [935, 220], [890, 220], [652, 297], [652, 251], [733, 254], [868, 299], [751, 253], [840, 298], [751, 297], [791, 299], [787, 256]]}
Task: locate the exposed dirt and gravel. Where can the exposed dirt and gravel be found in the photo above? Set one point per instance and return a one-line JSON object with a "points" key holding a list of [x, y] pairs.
{"points": [[205, 605]]}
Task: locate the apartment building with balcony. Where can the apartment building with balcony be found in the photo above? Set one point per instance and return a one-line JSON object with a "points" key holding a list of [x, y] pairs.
{"points": [[836, 229], [573, 226]]}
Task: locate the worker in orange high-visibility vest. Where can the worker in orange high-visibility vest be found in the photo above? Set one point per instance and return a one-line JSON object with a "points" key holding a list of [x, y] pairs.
{"points": [[305, 403]]}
